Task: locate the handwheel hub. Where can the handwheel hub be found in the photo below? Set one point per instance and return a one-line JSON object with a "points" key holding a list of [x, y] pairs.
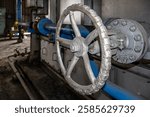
{"points": [[78, 46]]}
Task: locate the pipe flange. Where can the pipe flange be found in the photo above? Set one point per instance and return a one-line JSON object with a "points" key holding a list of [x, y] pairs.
{"points": [[41, 26], [133, 43]]}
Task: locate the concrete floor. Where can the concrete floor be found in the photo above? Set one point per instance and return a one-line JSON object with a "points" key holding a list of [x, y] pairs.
{"points": [[10, 88], [7, 48]]}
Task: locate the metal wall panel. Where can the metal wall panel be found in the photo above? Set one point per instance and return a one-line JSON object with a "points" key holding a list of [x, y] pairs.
{"points": [[49, 54], [34, 3], [138, 84], [64, 4], [2, 20], [10, 6], [131, 9]]}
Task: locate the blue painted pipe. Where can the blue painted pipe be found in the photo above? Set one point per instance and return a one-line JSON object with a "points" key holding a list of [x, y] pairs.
{"points": [[46, 26], [113, 90], [119, 93], [19, 10]]}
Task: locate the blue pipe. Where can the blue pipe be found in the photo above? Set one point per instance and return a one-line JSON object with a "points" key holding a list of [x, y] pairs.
{"points": [[113, 90], [46, 26], [19, 10], [119, 93]]}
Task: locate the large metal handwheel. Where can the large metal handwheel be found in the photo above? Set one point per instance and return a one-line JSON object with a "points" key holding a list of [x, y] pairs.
{"points": [[79, 46]]}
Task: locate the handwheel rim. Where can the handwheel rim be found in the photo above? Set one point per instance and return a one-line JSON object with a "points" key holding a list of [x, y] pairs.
{"points": [[105, 50]]}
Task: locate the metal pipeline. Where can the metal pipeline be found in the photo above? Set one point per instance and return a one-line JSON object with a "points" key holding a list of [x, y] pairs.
{"points": [[46, 27], [19, 10], [67, 29]]}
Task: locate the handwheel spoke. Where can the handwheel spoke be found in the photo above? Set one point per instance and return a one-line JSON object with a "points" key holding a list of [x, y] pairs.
{"points": [[72, 65], [91, 37], [64, 42], [74, 25], [88, 68]]}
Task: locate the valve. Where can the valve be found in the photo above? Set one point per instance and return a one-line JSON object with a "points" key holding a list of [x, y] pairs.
{"points": [[80, 48]]}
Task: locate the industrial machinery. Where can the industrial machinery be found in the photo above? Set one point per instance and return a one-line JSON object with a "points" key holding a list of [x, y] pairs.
{"points": [[110, 55]]}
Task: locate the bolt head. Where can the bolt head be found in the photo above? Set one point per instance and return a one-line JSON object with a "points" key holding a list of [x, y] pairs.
{"points": [[137, 38], [124, 23], [132, 28], [132, 57], [116, 22], [137, 49]]}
